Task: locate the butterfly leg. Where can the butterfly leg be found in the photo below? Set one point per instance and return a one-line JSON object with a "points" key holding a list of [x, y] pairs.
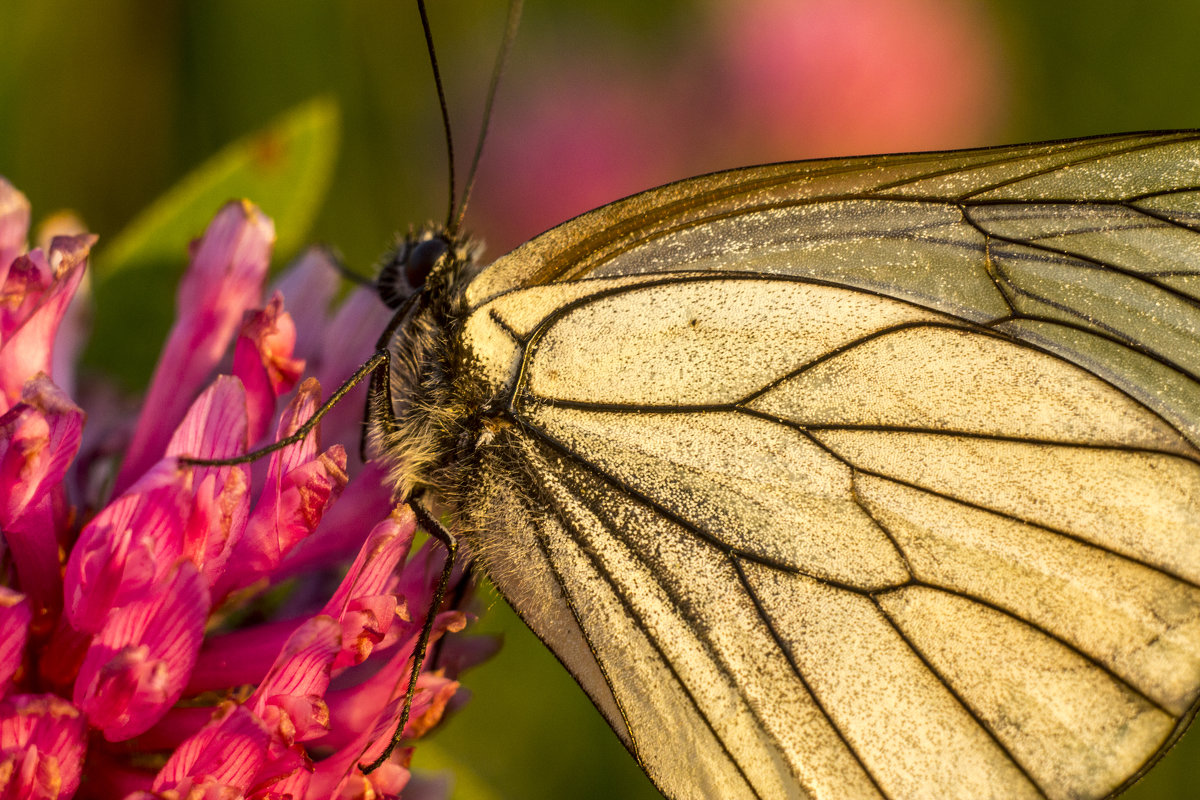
{"points": [[458, 597], [431, 525], [379, 405]]}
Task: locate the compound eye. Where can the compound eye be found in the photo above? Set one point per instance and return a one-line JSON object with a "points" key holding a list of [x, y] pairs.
{"points": [[421, 260]]}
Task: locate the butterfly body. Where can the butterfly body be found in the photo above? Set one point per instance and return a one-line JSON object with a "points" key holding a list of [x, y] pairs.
{"points": [[850, 478]]}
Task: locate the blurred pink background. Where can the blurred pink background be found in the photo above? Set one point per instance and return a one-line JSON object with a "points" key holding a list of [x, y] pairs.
{"points": [[774, 80]]}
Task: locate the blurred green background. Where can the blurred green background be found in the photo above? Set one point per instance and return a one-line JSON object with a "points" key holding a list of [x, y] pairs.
{"points": [[106, 105]]}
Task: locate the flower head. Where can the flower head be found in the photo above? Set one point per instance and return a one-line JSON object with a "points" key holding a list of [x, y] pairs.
{"points": [[154, 643]]}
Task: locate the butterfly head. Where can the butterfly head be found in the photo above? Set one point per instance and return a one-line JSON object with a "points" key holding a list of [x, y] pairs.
{"points": [[423, 259]]}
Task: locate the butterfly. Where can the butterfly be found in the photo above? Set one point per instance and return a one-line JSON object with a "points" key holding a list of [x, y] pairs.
{"points": [[866, 477]]}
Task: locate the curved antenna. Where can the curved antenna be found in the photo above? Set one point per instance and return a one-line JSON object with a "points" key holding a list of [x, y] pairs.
{"points": [[510, 35], [441, 93]]}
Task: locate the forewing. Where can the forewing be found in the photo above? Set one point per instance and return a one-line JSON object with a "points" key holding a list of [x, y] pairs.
{"points": [[864, 478], [1084, 247]]}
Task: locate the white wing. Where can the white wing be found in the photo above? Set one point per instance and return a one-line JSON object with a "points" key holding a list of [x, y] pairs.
{"points": [[866, 478]]}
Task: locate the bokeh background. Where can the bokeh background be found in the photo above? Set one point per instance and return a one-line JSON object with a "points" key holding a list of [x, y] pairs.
{"points": [[105, 105]]}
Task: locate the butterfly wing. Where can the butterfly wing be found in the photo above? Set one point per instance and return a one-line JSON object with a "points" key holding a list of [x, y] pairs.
{"points": [[866, 477]]}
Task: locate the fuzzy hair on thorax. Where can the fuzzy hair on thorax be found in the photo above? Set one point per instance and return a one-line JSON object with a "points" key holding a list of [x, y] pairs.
{"points": [[433, 403]]}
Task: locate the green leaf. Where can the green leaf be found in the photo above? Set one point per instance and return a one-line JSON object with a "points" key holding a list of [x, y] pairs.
{"points": [[284, 169]]}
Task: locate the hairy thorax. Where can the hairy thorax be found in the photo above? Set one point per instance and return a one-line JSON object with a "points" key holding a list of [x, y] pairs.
{"points": [[443, 404]]}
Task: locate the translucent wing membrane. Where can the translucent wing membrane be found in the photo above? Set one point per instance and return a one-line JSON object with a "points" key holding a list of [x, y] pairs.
{"points": [[1157, 173], [867, 477], [1086, 248]]}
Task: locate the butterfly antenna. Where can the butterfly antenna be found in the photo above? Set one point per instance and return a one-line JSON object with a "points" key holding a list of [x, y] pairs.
{"points": [[441, 93], [510, 35]]}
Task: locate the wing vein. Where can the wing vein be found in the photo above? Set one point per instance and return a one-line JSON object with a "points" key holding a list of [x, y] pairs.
{"points": [[626, 489], [786, 652], [914, 580], [636, 618], [983, 724]]}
